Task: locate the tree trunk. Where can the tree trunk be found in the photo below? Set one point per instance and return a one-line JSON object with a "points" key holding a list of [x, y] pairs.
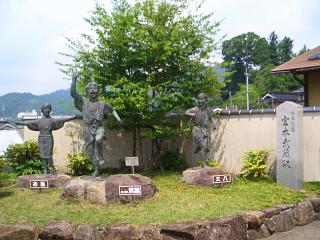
{"points": [[158, 155], [141, 149], [134, 142]]}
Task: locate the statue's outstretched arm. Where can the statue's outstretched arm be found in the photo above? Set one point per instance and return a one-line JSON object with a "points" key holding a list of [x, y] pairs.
{"points": [[116, 116]]}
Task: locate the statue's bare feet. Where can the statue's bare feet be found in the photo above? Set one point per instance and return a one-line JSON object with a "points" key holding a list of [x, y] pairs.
{"points": [[96, 173]]}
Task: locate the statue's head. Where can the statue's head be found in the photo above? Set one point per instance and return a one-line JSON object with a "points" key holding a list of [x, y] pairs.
{"points": [[46, 109], [202, 99], [92, 90]]}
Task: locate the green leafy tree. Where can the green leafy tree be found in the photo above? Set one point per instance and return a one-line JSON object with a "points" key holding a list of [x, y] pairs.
{"points": [[273, 48], [285, 50], [148, 58], [266, 82], [240, 98], [246, 50]]}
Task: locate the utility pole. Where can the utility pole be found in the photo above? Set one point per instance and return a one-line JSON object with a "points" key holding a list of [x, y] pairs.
{"points": [[247, 85]]}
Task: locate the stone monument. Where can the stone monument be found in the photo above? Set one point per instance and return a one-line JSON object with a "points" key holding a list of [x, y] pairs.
{"points": [[289, 145]]}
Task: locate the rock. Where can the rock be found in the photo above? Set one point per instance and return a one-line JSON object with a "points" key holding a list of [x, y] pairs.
{"points": [[87, 232], [316, 217], [284, 207], [146, 232], [221, 229], [54, 180], [113, 182], [283, 221], [253, 234], [315, 204], [303, 213], [254, 219], [184, 230], [18, 231], [128, 232], [57, 230], [202, 176], [96, 192], [270, 224], [77, 188], [270, 212], [264, 231], [102, 190]]}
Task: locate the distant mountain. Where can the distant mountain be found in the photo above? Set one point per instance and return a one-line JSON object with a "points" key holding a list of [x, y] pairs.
{"points": [[13, 103]]}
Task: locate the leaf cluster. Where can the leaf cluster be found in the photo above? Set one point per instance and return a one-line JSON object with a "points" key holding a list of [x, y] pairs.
{"points": [[254, 164], [79, 164], [148, 58]]}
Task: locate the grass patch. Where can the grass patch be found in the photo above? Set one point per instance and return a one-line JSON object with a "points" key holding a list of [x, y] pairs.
{"points": [[175, 201]]}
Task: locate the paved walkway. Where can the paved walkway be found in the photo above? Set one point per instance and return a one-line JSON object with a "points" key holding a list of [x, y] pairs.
{"points": [[307, 232]]}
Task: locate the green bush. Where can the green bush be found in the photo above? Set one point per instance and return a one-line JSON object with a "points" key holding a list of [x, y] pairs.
{"points": [[3, 162], [213, 164], [254, 163], [79, 164], [173, 161], [24, 158]]}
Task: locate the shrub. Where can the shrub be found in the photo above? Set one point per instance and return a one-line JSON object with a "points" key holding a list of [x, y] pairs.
{"points": [[213, 164], [254, 163], [79, 164], [173, 161], [3, 162], [24, 158]]}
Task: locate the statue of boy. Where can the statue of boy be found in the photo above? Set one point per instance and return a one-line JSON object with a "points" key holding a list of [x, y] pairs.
{"points": [[45, 126], [201, 116], [94, 111]]}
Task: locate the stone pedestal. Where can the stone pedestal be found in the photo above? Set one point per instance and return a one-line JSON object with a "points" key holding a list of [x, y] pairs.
{"points": [[54, 180], [205, 176], [103, 190]]}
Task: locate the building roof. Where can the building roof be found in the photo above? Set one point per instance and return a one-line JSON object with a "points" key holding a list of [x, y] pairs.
{"points": [[306, 62], [280, 97]]}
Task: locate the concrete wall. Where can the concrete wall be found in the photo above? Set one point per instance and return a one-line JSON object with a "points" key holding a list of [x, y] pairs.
{"points": [[233, 135]]}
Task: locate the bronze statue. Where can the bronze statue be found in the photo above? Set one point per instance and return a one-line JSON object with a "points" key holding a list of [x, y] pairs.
{"points": [[201, 116], [45, 126], [94, 111]]}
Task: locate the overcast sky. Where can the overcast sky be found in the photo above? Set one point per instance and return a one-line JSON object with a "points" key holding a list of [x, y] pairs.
{"points": [[34, 31]]}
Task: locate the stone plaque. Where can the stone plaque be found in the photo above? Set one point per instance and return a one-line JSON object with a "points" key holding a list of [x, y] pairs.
{"points": [[39, 184], [289, 145], [226, 178], [129, 190]]}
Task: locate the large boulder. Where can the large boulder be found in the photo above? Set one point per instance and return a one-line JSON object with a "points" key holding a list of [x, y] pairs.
{"points": [[253, 219], [102, 190], [220, 229], [315, 204], [54, 180], [284, 221], [203, 176], [121, 231], [57, 230], [88, 232], [77, 188], [148, 188], [303, 213], [18, 231]]}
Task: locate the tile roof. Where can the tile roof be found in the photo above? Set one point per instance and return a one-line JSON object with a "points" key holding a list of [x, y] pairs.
{"points": [[309, 61], [281, 96]]}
